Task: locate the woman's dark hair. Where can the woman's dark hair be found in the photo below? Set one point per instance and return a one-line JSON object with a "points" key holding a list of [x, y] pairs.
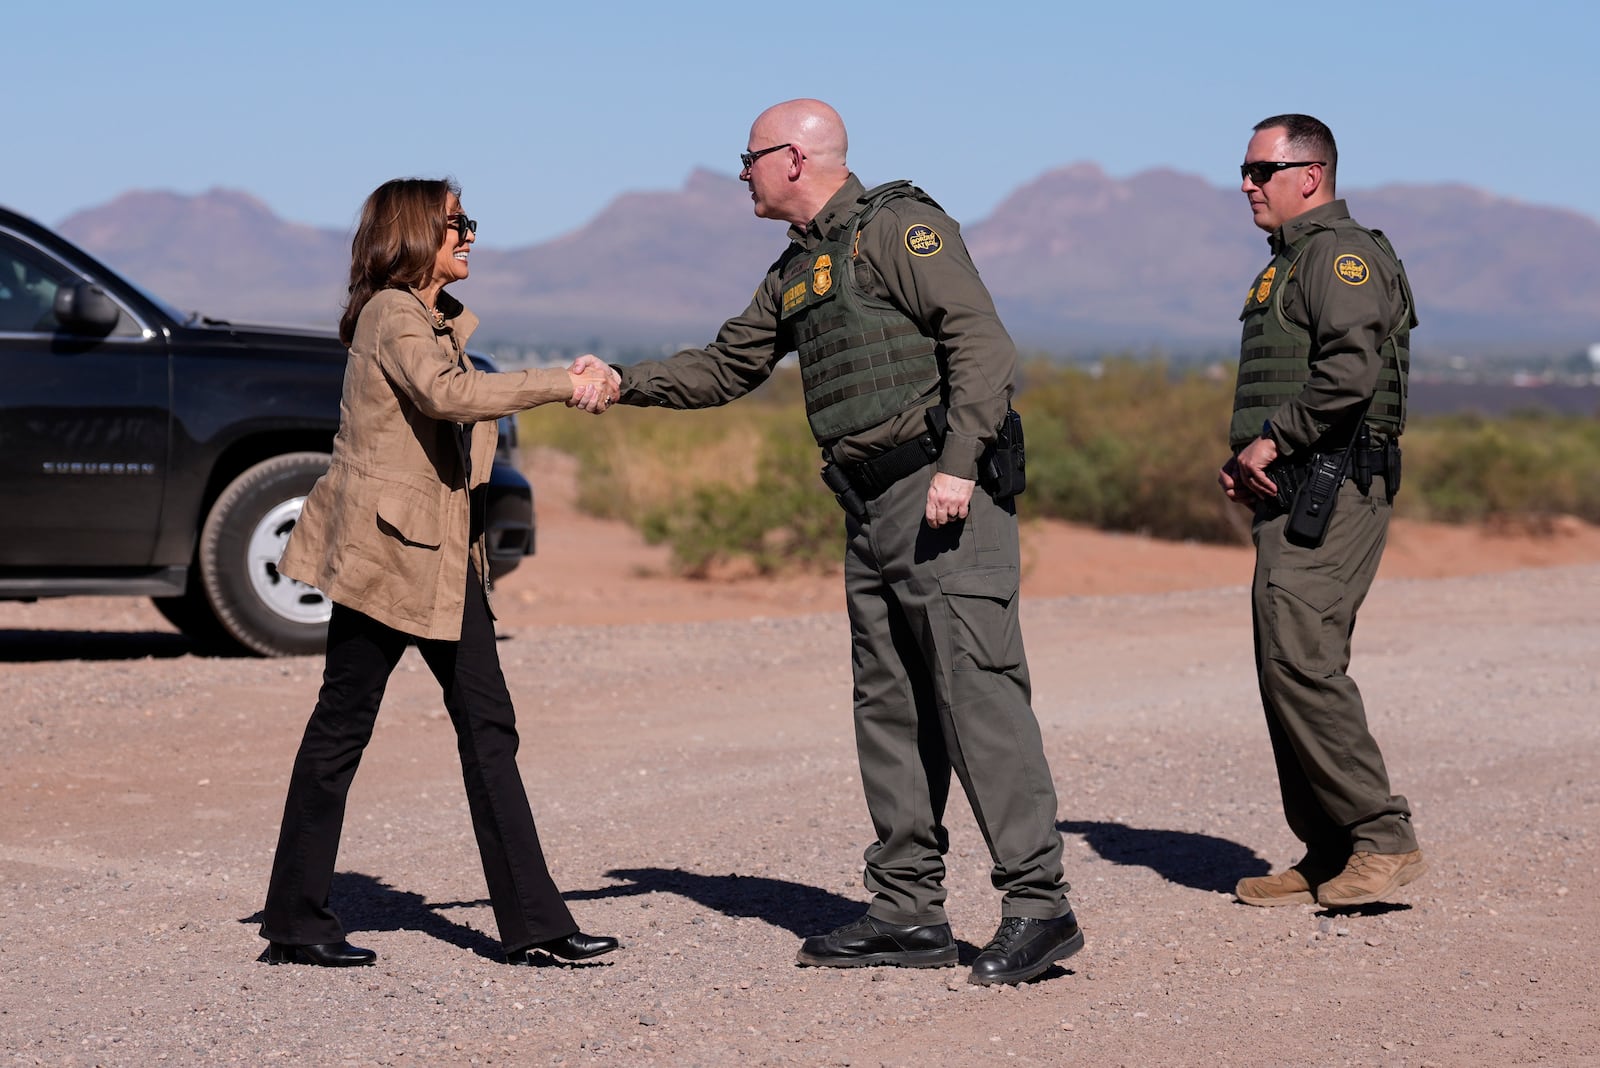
{"points": [[402, 226]]}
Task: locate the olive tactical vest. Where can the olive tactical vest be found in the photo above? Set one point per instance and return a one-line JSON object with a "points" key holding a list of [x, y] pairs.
{"points": [[1275, 354], [862, 359]]}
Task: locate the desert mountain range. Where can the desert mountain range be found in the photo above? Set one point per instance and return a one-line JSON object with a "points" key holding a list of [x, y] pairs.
{"points": [[1078, 262]]}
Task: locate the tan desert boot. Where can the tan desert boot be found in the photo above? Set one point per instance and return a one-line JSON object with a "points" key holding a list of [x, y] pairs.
{"points": [[1287, 887], [1369, 877]]}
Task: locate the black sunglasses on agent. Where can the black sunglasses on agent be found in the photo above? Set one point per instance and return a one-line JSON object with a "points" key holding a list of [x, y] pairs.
{"points": [[1261, 171], [748, 159], [462, 225]]}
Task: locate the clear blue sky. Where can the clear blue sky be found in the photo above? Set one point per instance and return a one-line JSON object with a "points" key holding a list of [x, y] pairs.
{"points": [[545, 112]]}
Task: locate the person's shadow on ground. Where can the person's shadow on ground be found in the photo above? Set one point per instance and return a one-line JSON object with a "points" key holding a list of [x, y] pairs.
{"points": [[368, 904], [1200, 861], [795, 907]]}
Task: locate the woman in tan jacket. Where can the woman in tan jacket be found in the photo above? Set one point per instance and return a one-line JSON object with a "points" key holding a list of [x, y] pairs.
{"points": [[392, 534]]}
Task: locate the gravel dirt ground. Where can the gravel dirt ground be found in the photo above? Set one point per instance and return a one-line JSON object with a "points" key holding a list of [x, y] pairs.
{"points": [[688, 751]]}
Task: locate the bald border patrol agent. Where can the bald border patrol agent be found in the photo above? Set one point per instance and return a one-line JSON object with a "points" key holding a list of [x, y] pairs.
{"points": [[907, 374], [1319, 407]]}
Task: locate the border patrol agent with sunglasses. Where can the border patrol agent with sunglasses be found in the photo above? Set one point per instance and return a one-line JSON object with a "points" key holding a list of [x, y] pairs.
{"points": [[1318, 411], [908, 376]]}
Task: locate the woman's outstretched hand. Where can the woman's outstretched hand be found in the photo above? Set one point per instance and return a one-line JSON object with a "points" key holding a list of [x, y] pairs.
{"points": [[595, 384]]}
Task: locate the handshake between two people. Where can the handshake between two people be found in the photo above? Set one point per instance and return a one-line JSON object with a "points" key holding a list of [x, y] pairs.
{"points": [[595, 384]]}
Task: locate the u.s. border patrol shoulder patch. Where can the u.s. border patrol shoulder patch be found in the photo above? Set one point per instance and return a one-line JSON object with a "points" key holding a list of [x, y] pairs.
{"points": [[923, 240], [1350, 269]]}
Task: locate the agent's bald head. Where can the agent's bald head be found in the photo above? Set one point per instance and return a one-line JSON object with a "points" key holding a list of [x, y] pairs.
{"points": [[795, 183], [809, 123]]}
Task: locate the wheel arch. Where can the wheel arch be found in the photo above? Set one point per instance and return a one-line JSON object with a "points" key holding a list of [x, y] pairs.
{"points": [[245, 453], [243, 536], [181, 541]]}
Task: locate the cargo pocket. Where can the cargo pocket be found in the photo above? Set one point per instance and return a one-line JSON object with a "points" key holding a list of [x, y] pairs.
{"points": [[984, 632], [411, 514], [1307, 619]]}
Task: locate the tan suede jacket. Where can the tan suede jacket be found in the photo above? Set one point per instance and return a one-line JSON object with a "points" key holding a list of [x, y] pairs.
{"points": [[386, 530]]}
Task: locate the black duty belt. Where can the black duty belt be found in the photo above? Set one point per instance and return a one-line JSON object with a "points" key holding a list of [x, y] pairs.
{"points": [[1365, 465], [872, 476], [1377, 459]]}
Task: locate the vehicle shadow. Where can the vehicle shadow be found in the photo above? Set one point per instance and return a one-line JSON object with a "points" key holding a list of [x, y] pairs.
{"points": [[1201, 861], [40, 646], [43, 646]]}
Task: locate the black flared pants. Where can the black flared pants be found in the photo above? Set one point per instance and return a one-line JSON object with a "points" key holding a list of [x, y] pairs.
{"points": [[361, 655]]}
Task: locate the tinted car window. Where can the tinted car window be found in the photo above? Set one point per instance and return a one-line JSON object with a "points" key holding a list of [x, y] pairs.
{"points": [[28, 285], [29, 280]]}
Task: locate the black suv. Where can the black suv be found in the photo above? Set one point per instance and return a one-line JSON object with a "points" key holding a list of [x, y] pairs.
{"points": [[148, 452]]}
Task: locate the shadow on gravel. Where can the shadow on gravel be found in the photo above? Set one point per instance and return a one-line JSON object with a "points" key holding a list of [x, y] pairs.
{"points": [[795, 907], [39, 646], [366, 904], [1197, 860], [1377, 908]]}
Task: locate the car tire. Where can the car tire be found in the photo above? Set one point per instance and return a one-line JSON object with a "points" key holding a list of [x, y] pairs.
{"points": [[243, 536]]}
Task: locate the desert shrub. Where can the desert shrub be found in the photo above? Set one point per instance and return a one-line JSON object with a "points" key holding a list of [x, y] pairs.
{"points": [[738, 482], [634, 461], [1125, 445], [780, 518], [1467, 467]]}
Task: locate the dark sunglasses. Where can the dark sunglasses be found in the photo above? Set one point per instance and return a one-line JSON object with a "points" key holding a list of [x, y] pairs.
{"points": [[749, 158], [462, 225], [1261, 171]]}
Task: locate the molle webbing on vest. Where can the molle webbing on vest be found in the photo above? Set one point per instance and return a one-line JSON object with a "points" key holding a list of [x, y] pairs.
{"points": [[886, 373], [1388, 410], [1275, 354], [862, 360], [883, 334]]}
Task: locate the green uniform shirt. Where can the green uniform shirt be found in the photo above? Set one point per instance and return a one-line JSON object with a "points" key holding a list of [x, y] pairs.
{"points": [[931, 279], [1349, 316]]}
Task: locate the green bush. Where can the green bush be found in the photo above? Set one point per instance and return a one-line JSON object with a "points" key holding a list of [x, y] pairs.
{"points": [[1126, 445], [783, 518], [1462, 468]]}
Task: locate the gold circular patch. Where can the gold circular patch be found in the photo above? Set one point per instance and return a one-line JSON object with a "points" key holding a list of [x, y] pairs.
{"points": [[1350, 269], [923, 240]]}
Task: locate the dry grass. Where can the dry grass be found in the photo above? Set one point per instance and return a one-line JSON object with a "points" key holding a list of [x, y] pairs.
{"points": [[1126, 446]]}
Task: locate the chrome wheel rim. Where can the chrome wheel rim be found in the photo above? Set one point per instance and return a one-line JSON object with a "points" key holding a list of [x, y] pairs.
{"points": [[286, 598]]}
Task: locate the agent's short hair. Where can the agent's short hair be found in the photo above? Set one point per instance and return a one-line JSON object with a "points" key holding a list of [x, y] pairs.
{"points": [[1310, 138]]}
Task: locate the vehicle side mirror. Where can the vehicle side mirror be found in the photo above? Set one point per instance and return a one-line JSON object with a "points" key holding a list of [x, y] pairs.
{"points": [[85, 308]]}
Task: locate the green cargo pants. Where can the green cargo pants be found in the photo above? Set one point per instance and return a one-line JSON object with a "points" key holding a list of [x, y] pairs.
{"points": [[1304, 601], [941, 684]]}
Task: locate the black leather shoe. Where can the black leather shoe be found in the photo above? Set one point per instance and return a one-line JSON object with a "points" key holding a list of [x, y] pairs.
{"points": [[1022, 948], [869, 941], [575, 946], [323, 955]]}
